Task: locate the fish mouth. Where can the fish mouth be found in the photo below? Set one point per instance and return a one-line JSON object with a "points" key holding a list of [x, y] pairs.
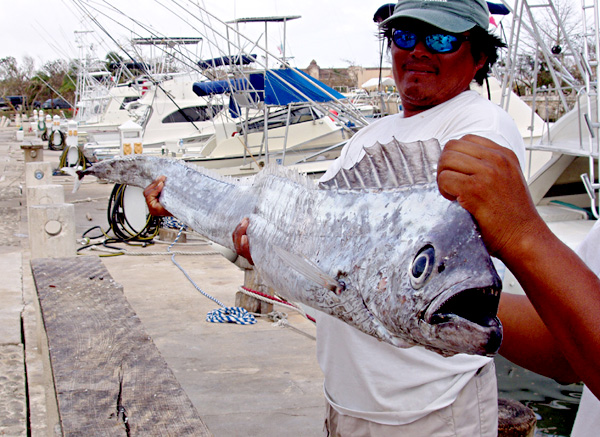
{"points": [[476, 305]]}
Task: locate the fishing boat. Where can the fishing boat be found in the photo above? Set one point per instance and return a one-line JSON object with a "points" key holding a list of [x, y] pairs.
{"points": [[98, 118], [282, 115], [236, 112], [276, 113], [170, 115]]}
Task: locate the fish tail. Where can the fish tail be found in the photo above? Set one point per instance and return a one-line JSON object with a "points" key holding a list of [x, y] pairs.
{"points": [[77, 174]]}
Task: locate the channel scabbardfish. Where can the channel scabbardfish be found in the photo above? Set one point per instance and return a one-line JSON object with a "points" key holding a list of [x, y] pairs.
{"points": [[377, 247]]}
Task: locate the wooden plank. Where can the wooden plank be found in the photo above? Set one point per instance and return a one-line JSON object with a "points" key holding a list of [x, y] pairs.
{"points": [[110, 378]]}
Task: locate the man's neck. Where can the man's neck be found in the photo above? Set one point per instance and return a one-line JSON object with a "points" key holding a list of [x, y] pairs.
{"points": [[410, 110]]}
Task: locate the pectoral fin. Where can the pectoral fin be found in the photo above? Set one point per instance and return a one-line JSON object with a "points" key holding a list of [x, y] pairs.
{"points": [[310, 270]]}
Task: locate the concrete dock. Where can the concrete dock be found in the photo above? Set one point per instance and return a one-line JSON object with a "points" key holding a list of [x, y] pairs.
{"points": [[243, 380]]}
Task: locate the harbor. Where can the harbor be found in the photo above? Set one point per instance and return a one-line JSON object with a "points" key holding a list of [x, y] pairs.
{"points": [[103, 336]]}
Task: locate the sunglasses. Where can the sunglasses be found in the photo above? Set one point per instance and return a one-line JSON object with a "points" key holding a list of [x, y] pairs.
{"points": [[435, 42]]}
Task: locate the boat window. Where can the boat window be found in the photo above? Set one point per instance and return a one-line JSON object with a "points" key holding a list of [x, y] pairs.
{"points": [[194, 113], [279, 118], [127, 100]]}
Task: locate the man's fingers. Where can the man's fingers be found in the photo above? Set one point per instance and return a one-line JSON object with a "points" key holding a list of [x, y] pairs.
{"points": [[155, 187], [481, 141], [458, 161], [240, 239], [452, 184], [481, 149], [152, 194]]}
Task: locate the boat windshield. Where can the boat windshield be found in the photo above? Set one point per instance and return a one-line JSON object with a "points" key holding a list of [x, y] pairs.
{"points": [[280, 117], [193, 113]]}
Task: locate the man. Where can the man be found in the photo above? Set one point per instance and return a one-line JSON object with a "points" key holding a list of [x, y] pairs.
{"points": [[557, 332], [437, 49], [374, 389]]}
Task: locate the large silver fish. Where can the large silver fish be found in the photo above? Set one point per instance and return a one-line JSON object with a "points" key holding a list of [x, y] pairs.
{"points": [[377, 247]]}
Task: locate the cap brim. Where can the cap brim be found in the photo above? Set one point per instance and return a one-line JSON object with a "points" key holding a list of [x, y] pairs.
{"points": [[443, 20]]}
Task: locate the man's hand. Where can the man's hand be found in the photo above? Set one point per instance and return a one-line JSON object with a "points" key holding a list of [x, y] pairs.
{"points": [[152, 193], [240, 240], [487, 181]]}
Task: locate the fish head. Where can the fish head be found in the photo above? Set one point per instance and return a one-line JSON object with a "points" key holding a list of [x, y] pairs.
{"points": [[440, 289]]}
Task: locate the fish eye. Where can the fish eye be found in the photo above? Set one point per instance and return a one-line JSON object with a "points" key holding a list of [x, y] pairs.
{"points": [[422, 266]]}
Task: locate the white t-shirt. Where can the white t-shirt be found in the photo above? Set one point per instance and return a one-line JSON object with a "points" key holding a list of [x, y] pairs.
{"points": [[375, 381], [587, 422]]}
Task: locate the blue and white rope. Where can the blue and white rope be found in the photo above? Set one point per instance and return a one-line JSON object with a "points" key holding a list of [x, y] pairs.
{"points": [[224, 314], [237, 315], [171, 223]]}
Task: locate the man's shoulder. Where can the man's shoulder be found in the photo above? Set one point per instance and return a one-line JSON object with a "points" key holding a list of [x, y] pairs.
{"points": [[472, 98], [475, 108]]}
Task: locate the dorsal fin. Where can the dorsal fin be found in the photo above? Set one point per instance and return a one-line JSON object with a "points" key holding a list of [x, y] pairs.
{"points": [[390, 165]]}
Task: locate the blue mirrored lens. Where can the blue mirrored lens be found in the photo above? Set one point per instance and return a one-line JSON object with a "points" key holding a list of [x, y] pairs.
{"points": [[436, 43], [441, 43], [404, 39]]}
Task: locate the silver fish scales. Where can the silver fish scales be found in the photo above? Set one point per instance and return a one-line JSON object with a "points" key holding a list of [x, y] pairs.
{"points": [[377, 246]]}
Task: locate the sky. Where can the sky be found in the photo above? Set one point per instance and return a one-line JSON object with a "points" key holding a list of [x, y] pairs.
{"points": [[333, 33]]}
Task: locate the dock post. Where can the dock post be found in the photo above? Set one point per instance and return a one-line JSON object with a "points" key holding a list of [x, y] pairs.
{"points": [[515, 419], [52, 231], [71, 151], [51, 222], [253, 282], [43, 195], [33, 152], [38, 173], [49, 194]]}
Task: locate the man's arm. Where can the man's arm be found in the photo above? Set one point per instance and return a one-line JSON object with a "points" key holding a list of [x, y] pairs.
{"points": [[528, 343], [486, 180]]}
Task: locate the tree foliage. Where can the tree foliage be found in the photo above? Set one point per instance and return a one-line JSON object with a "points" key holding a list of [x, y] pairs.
{"points": [[22, 79]]}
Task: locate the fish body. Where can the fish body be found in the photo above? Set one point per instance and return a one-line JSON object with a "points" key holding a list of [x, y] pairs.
{"points": [[377, 246]]}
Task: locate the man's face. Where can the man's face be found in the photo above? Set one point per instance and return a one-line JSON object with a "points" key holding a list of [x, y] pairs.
{"points": [[425, 79]]}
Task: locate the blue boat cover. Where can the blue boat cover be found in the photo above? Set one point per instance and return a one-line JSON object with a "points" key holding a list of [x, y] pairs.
{"points": [[219, 87], [274, 87], [227, 60], [286, 86]]}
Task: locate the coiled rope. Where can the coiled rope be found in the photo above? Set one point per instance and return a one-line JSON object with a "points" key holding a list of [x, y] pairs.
{"points": [[119, 224], [224, 314], [41, 127], [81, 159], [52, 144], [120, 227]]}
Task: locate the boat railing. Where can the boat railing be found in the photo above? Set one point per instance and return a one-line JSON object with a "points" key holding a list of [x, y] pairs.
{"points": [[321, 152]]}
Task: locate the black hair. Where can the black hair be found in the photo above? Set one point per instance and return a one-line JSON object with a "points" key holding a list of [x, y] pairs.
{"points": [[482, 43], [384, 12]]}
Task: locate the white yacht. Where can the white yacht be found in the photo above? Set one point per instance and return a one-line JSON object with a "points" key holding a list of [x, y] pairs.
{"points": [[171, 115], [98, 118], [280, 115]]}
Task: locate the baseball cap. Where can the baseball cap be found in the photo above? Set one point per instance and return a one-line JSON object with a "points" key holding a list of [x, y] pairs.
{"points": [[454, 16]]}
